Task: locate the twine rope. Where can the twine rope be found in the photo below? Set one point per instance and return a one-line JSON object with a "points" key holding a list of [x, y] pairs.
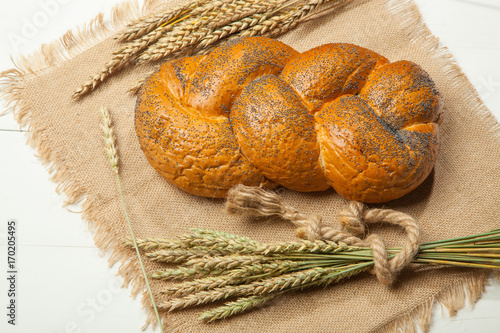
{"points": [[257, 201]]}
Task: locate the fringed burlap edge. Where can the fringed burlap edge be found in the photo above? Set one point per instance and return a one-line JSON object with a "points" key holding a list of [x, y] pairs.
{"points": [[74, 42]]}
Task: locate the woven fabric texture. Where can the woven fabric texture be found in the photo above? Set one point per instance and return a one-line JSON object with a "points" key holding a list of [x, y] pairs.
{"points": [[459, 197]]}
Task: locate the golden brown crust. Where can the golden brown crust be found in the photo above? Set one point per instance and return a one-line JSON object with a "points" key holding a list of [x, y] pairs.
{"points": [[276, 133], [403, 94], [365, 159], [193, 147], [230, 67], [329, 71], [193, 152], [257, 112]]}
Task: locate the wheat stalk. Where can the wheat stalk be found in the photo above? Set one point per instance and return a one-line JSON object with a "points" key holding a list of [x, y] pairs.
{"points": [[220, 265], [129, 51], [112, 152], [196, 27], [201, 21], [283, 282]]}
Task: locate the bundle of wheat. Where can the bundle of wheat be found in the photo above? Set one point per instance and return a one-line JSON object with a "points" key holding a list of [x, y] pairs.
{"points": [[197, 26]]}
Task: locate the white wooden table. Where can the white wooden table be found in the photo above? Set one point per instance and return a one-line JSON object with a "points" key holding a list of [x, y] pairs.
{"points": [[55, 249]]}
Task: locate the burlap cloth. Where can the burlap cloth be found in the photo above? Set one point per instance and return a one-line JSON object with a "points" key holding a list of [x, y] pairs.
{"points": [[459, 198]]}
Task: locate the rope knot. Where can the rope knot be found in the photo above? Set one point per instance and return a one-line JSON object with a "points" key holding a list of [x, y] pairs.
{"points": [[351, 218], [260, 202], [311, 229]]}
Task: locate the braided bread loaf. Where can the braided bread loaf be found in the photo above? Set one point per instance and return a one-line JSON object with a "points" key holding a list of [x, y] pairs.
{"points": [[257, 112]]}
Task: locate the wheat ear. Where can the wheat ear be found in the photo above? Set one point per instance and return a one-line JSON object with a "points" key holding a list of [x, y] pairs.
{"points": [[255, 269], [231, 29], [200, 38], [112, 152], [120, 58], [109, 139], [180, 255], [227, 262], [145, 25], [241, 275], [134, 89], [241, 9], [232, 308], [278, 283], [207, 283], [196, 27], [151, 244], [126, 53], [296, 15]]}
